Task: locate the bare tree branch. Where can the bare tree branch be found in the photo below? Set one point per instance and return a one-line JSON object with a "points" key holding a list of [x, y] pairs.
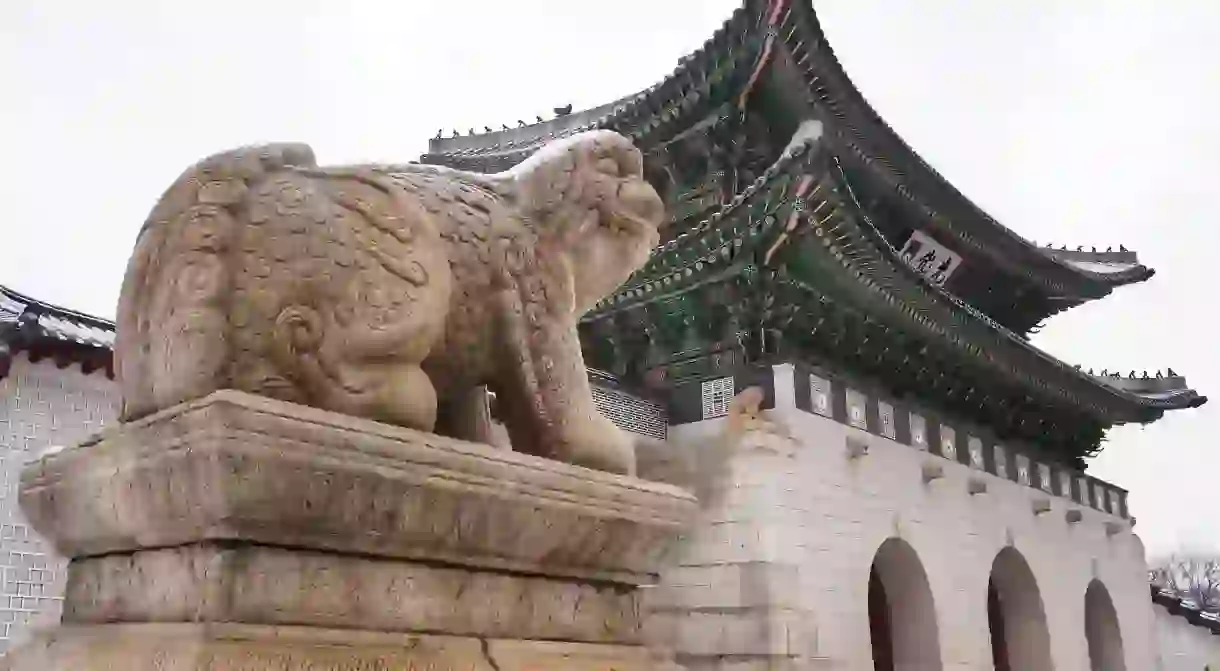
{"points": [[1191, 576]]}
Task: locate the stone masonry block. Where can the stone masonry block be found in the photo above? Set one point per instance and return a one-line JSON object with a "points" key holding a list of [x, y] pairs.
{"points": [[770, 584], [752, 631], [235, 466], [274, 586], [229, 647]]}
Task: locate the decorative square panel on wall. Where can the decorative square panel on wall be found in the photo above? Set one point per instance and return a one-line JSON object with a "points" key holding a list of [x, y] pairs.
{"points": [[975, 445], [717, 394], [919, 431], [1044, 477], [948, 443], [1023, 469], [1001, 461], [819, 395], [885, 414], [857, 409]]}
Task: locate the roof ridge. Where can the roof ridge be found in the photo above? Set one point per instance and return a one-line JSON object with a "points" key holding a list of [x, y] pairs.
{"points": [[955, 304], [57, 310], [804, 37]]}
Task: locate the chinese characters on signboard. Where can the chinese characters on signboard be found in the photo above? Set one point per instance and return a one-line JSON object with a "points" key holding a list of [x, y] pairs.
{"points": [[929, 258]]}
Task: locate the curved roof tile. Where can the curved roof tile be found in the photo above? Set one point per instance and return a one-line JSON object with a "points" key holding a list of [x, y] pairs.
{"points": [[30, 324]]}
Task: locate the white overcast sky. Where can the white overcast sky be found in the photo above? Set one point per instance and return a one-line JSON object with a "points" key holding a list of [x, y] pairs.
{"points": [[1088, 123]]}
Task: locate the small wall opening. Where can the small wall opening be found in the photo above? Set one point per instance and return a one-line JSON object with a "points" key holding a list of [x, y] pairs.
{"points": [[1102, 631], [1015, 615], [902, 613]]}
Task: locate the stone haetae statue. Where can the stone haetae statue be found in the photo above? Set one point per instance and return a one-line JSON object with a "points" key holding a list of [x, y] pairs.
{"points": [[390, 292]]}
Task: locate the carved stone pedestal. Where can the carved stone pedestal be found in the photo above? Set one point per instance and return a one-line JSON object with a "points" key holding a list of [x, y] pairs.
{"points": [[238, 532], [239, 647]]}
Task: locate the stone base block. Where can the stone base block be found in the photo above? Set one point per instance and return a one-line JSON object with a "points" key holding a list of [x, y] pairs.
{"points": [[238, 467], [252, 584], [196, 647]]}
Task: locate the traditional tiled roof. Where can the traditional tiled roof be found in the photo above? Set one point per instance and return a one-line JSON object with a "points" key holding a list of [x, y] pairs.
{"points": [[951, 210], [1169, 387], [44, 330], [1121, 267], [799, 226], [489, 151], [711, 74], [723, 68], [964, 342], [1185, 608]]}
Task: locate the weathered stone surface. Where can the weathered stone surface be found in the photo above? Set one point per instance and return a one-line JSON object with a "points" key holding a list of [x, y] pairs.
{"points": [[378, 290], [230, 647], [235, 466], [262, 585], [255, 513], [517, 655]]}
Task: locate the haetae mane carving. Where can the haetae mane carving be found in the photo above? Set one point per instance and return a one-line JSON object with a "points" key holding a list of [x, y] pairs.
{"points": [[390, 292]]}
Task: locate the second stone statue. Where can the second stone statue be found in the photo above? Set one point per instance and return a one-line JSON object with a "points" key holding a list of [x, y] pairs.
{"points": [[390, 292]]}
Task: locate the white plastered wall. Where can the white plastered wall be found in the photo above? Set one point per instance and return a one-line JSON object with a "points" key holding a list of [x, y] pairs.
{"points": [[41, 405], [819, 517]]}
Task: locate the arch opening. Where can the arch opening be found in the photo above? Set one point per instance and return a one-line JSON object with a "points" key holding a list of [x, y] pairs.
{"points": [[1016, 617], [1101, 629], [902, 612], [995, 623]]}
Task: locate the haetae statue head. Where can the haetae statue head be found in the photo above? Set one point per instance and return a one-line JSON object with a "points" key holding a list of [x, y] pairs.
{"points": [[590, 194]]}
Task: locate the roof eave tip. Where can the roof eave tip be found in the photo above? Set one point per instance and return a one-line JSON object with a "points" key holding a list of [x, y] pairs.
{"points": [[1145, 275]]}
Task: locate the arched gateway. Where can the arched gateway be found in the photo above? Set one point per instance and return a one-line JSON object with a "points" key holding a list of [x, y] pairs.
{"points": [[1015, 616], [901, 611], [1101, 628]]}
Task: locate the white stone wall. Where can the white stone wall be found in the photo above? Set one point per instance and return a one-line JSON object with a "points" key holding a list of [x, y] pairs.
{"points": [[815, 519], [40, 406], [1184, 647], [732, 597]]}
